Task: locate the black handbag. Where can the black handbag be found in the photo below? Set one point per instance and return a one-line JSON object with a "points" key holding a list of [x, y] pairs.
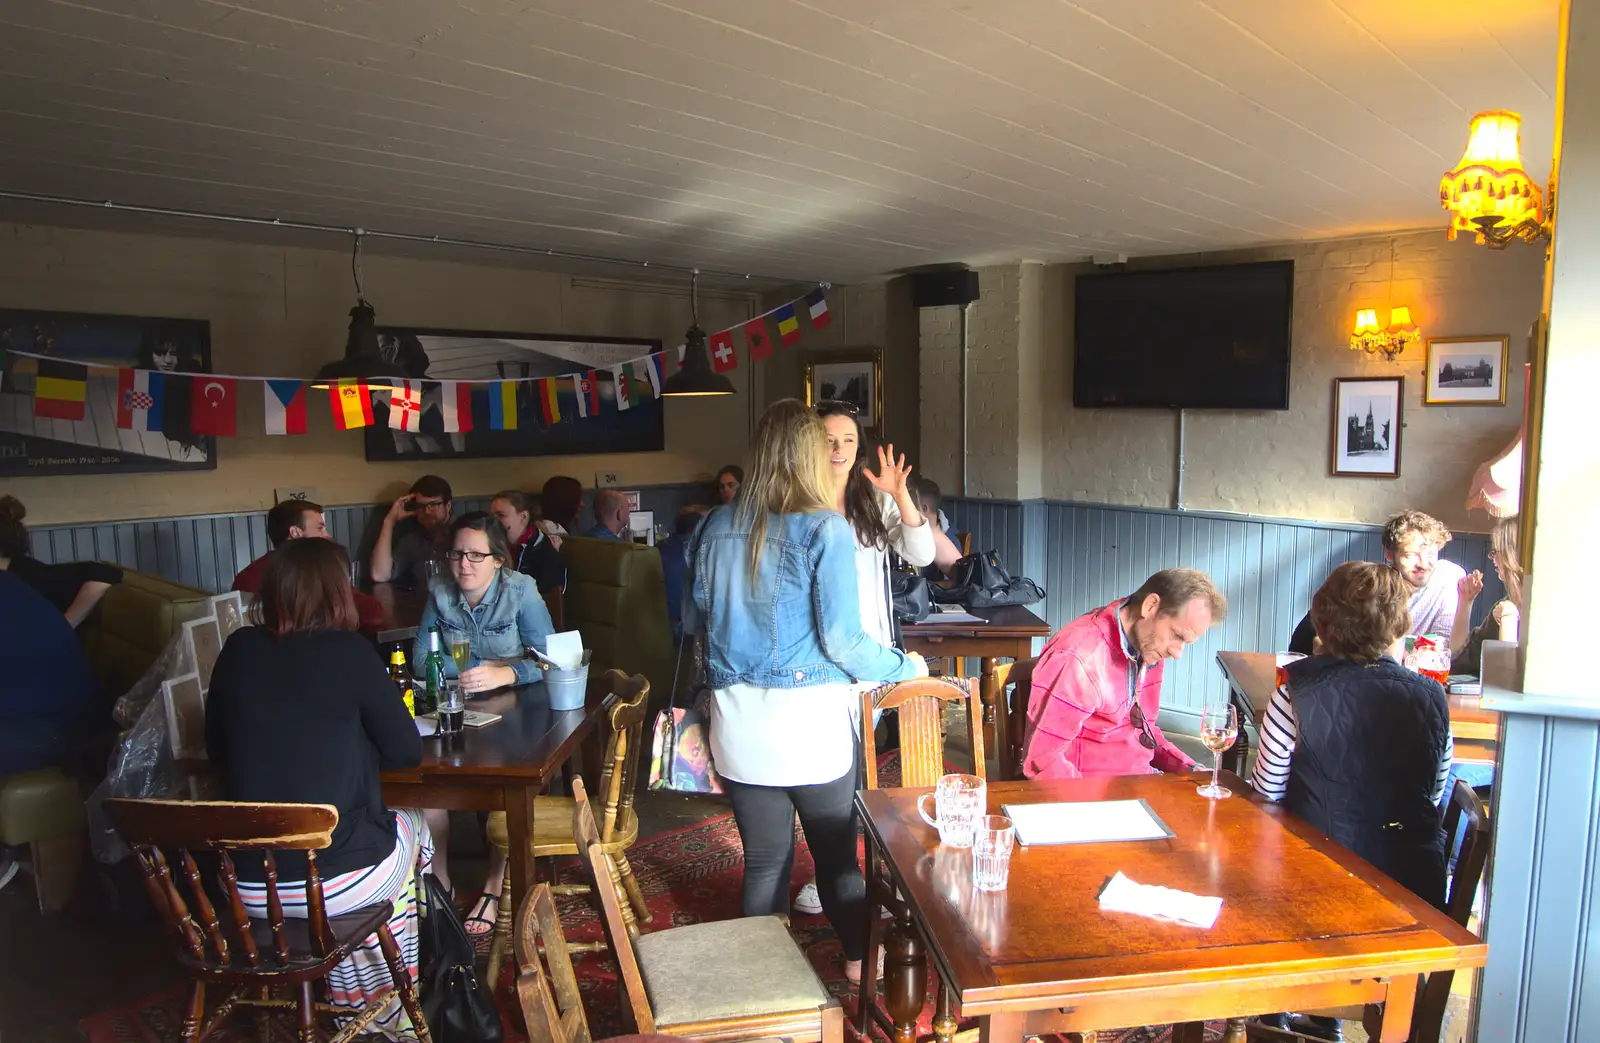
{"points": [[911, 596], [981, 581], [457, 1006]]}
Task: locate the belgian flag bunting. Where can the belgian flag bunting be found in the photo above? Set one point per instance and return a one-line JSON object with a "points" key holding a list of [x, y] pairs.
{"points": [[59, 390]]}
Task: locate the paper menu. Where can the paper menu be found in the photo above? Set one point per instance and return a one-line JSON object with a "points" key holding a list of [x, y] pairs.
{"points": [[565, 649], [1086, 822], [1121, 895]]}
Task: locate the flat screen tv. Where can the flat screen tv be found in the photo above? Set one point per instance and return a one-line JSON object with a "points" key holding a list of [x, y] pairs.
{"points": [[1184, 338]]}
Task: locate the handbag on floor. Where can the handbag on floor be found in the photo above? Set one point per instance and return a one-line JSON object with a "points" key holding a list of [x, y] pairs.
{"points": [[457, 1006]]}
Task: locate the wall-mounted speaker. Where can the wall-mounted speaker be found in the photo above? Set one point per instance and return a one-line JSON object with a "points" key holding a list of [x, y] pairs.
{"points": [[937, 289]]}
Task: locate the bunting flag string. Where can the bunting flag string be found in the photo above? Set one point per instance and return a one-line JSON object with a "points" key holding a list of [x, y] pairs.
{"points": [[185, 404]]}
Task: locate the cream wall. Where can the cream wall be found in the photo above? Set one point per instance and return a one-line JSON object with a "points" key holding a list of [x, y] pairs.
{"points": [[283, 311]]}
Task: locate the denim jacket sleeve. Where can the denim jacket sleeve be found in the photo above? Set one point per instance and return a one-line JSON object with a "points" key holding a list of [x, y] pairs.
{"points": [[693, 605], [534, 626], [836, 604]]}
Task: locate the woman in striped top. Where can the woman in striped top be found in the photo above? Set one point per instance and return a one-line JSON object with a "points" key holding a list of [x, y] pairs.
{"points": [[1355, 743]]}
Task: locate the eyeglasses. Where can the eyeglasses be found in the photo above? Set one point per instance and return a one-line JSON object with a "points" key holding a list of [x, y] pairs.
{"points": [[477, 557], [428, 505], [1136, 715], [836, 406]]}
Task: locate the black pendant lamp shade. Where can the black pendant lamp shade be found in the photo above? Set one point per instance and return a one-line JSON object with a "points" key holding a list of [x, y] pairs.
{"points": [[362, 358], [695, 376]]}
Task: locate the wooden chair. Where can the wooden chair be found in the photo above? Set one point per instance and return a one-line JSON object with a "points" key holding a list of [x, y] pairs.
{"points": [[253, 956], [740, 979], [551, 1004], [1433, 997], [921, 706], [1014, 683], [552, 816]]}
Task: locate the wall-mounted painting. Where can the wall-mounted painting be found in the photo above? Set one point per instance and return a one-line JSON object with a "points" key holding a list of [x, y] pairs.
{"points": [[854, 375], [429, 355], [89, 423], [1366, 426], [1467, 371]]}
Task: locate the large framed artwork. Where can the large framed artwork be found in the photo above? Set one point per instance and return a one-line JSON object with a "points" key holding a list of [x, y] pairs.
{"points": [[1367, 422], [1467, 371], [469, 355], [854, 375], [84, 420]]}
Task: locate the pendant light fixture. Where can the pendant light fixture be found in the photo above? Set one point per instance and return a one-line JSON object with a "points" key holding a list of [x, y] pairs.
{"points": [[362, 356], [695, 375]]}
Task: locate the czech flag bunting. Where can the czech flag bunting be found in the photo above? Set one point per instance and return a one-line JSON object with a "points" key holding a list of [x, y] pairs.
{"points": [[352, 405], [722, 356], [788, 324], [285, 405]]}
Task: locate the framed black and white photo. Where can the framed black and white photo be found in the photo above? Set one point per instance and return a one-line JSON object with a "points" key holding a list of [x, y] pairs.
{"points": [[854, 375], [1366, 426], [1467, 371]]}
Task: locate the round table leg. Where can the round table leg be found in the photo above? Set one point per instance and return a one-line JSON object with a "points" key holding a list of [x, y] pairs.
{"points": [[1235, 1033], [905, 979]]}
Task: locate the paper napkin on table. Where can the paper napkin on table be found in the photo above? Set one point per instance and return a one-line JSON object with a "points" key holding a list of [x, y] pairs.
{"points": [[565, 649], [1122, 895]]}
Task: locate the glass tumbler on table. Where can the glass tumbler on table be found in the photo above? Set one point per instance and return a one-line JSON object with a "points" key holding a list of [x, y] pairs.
{"points": [[992, 842], [1219, 727], [452, 708]]}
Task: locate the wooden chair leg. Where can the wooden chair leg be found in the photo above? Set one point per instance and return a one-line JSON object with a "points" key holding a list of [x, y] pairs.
{"points": [[626, 902], [1235, 1032], [502, 932], [402, 983], [194, 1013], [308, 1014], [264, 1015], [944, 1019], [905, 980], [56, 861], [641, 908]]}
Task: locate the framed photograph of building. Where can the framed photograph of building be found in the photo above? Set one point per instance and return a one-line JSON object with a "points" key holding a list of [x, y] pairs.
{"points": [[854, 375], [1367, 423], [1467, 371]]}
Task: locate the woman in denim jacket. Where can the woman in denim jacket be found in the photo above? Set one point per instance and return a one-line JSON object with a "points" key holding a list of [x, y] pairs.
{"points": [[772, 586], [499, 610]]}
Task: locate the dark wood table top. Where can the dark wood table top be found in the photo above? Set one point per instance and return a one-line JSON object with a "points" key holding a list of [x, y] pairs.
{"points": [[403, 606], [1297, 908], [528, 744], [1008, 621]]}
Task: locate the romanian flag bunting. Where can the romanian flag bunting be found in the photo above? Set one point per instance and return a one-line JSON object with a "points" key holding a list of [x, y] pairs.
{"points": [[817, 304], [755, 332], [352, 405], [183, 406], [285, 404], [788, 324], [722, 356]]}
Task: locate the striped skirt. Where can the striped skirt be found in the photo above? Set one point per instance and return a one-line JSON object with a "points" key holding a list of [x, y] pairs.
{"points": [[364, 973]]}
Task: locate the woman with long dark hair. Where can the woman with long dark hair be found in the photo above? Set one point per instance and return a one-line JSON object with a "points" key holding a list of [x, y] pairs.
{"points": [[532, 552], [301, 711], [772, 582]]}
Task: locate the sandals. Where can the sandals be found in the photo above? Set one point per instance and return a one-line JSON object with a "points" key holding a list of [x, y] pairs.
{"points": [[485, 911]]}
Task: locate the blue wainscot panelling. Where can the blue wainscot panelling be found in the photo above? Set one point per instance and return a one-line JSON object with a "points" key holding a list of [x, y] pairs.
{"points": [[1087, 555]]}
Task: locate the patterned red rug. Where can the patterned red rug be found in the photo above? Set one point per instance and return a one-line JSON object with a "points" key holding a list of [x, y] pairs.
{"points": [[689, 875]]}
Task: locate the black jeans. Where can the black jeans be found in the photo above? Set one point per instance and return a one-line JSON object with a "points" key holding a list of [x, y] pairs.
{"points": [[765, 815]]}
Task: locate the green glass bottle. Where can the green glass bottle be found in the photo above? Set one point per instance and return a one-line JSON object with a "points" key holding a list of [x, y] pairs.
{"points": [[433, 672]]}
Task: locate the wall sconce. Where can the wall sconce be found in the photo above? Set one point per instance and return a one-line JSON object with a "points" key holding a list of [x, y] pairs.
{"points": [[1488, 193], [1388, 341]]}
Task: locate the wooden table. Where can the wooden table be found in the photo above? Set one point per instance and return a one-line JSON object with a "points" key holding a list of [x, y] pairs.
{"points": [[1305, 925], [1252, 676], [500, 767], [403, 608], [1005, 633]]}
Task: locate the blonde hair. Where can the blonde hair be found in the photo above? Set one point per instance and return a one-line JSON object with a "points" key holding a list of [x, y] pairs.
{"points": [[1503, 545], [788, 471]]}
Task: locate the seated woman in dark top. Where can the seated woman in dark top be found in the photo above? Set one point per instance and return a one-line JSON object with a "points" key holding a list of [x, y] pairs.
{"points": [[1355, 743], [49, 699], [301, 710], [73, 587], [532, 552]]}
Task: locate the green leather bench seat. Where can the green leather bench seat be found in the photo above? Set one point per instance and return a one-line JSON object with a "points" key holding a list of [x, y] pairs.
{"points": [[617, 599], [132, 625], [36, 804]]}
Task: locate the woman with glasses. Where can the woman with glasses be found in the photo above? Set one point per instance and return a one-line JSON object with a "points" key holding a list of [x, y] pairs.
{"points": [[499, 611], [772, 588]]}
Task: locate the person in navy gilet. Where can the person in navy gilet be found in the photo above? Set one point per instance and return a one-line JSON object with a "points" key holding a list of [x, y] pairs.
{"points": [[1355, 743]]}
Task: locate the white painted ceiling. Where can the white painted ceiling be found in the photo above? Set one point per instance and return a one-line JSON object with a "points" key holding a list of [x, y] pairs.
{"points": [[832, 139]]}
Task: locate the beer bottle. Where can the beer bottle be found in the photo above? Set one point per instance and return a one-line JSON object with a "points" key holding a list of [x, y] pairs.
{"points": [[433, 671], [400, 674]]}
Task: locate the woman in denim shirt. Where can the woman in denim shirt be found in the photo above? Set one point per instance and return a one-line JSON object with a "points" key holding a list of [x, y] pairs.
{"points": [[499, 610], [772, 586]]}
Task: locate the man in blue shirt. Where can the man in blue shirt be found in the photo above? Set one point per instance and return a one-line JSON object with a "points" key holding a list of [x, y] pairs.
{"points": [[610, 516]]}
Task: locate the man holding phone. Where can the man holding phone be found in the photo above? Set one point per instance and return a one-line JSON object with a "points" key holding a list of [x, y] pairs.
{"points": [[413, 533]]}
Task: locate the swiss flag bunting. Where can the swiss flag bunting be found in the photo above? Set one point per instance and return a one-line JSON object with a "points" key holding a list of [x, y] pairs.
{"points": [[722, 356]]}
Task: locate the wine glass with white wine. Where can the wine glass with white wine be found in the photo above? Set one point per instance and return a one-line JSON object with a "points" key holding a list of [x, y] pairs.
{"points": [[1219, 727]]}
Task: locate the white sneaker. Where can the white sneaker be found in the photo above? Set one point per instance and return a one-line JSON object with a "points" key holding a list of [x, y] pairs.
{"points": [[808, 901]]}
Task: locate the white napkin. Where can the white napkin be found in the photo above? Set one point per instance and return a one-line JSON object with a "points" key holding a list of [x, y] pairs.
{"points": [[565, 649], [427, 725], [1122, 895]]}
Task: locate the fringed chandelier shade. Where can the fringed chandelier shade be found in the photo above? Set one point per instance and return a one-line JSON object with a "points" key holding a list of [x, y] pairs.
{"points": [[1488, 194]]}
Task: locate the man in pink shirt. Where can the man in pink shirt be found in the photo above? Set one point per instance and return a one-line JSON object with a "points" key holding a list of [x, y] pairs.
{"points": [[1097, 685]]}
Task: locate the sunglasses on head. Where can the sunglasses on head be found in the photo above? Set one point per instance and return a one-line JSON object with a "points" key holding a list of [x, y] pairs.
{"points": [[1136, 715]]}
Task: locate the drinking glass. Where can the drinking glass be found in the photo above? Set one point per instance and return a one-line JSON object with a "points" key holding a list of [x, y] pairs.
{"points": [[452, 708], [461, 652], [959, 801], [1219, 727], [992, 841], [431, 570]]}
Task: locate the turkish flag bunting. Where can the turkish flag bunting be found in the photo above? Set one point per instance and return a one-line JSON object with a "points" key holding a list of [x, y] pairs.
{"points": [[722, 356], [213, 406]]}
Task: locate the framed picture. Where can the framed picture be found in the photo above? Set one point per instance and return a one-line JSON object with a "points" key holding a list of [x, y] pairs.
{"points": [[1467, 371], [1367, 423], [185, 702], [854, 375], [435, 355], [205, 641], [229, 610], [92, 423]]}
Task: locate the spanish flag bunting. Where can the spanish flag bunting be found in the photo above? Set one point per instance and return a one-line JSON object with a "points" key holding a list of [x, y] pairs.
{"points": [[722, 356], [788, 324], [503, 405], [755, 331], [817, 303], [588, 396], [549, 405], [60, 389], [352, 405]]}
